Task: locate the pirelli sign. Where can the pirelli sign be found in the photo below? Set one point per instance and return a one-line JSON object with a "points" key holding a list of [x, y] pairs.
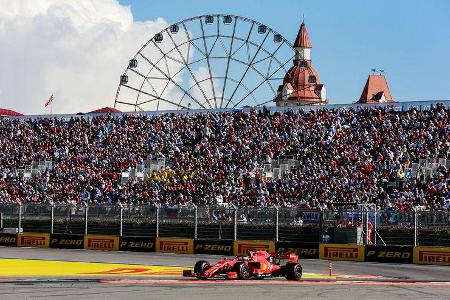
{"points": [[432, 256], [184, 246], [341, 252], [40, 240], [242, 247], [101, 242]]}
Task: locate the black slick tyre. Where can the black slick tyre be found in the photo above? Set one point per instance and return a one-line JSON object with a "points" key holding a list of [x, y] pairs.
{"points": [[293, 271], [200, 267]]}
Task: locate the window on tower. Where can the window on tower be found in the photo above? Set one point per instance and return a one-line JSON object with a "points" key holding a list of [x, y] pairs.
{"points": [[303, 63], [312, 79]]}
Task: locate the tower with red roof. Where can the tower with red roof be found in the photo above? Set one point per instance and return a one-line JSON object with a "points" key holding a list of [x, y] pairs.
{"points": [[301, 84], [376, 90]]}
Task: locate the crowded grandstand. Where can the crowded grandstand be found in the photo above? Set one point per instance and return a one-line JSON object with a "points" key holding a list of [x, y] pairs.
{"points": [[320, 158]]}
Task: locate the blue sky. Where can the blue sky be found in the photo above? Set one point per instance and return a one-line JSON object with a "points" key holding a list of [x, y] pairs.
{"points": [[410, 40]]}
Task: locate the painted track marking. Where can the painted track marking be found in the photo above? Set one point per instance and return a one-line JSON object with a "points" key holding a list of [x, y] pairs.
{"points": [[274, 282], [12, 267], [36, 268]]}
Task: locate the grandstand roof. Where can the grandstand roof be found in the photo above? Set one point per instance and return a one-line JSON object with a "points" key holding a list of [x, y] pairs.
{"points": [[9, 113], [376, 90], [105, 110], [303, 39]]}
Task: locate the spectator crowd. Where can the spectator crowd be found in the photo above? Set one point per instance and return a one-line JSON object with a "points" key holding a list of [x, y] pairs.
{"points": [[345, 157]]}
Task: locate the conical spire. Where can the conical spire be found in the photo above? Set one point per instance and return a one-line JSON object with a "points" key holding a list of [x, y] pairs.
{"points": [[303, 39], [376, 90]]}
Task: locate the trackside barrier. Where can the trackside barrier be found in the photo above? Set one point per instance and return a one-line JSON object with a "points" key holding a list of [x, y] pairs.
{"points": [[101, 242], [242, 247], [389, 254], [352, 252], [304, 250], [184, 246], [28, 239], [8, 239], [138, 244], [67, 241], [217, 247], [432, 256]]}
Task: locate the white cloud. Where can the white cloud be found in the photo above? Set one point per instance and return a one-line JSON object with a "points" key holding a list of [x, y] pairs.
{"points": [[76, 49]]}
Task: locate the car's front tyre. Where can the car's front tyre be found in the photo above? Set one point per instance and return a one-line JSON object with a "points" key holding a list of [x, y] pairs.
{"points": [[200, 267]]}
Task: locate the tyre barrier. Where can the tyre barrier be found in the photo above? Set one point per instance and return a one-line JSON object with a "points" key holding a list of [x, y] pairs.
{"points": [[348, 252]]}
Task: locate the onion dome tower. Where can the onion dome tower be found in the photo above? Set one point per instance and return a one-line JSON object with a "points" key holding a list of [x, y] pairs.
{"points": [[376, 90], [301, 84]]}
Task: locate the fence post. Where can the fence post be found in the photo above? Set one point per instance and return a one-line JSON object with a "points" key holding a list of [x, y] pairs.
{"points": [[86, 208], [415, 228], [367, 225], [1, 220], [321, 221], [52, 216], [121, 220], [195, 221], [276, 224], [375, 232], [20, 218], [235, 221], [157, 220]]}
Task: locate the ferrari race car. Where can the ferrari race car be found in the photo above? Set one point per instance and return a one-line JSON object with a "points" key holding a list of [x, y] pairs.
{"points": [[257, 264]]}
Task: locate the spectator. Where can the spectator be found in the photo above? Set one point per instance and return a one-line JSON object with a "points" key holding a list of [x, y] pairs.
{"points": [[345, 157]]}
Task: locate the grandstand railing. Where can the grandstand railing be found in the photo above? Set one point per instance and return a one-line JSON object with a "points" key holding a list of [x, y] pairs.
{"points": [[398, 106], [388, 226]]}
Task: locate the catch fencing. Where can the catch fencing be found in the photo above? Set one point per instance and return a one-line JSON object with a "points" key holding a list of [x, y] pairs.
{"points": [[364, 225]]}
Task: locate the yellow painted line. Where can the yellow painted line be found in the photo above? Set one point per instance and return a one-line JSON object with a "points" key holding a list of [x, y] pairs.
{"points": [[32, 268], [54, 268]]}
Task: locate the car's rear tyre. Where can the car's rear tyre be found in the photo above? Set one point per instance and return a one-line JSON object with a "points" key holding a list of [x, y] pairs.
{"points": [[293, 271], [242, 270], [200, 267]]}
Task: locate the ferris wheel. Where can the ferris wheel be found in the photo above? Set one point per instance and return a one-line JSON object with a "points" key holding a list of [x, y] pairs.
{"points": [[206, 62]]}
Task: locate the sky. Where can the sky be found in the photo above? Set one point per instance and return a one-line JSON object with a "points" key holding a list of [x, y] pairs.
{"points": [[77, 49]]}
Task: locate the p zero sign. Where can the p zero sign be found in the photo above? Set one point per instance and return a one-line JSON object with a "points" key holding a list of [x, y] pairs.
{"points": [[8, 239], [40, 240], [101, 242], [341, 252], [184, 246], [219, 247], [67, 241], [432, 256], [242, 247], [389, 254], [304, 250], [138, 244]]}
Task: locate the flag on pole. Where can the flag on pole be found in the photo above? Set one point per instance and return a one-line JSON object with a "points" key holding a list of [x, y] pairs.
{"points": [[49, 101]]}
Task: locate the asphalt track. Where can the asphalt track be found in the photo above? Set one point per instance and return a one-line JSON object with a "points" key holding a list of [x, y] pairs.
{"points": [[81, 274]]}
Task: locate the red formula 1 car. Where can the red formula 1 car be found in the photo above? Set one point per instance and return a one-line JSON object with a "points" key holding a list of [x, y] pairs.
{"points": [[257, 264]]}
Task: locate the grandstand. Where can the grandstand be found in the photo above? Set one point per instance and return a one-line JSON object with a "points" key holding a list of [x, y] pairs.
{"points": [[395, 156]]}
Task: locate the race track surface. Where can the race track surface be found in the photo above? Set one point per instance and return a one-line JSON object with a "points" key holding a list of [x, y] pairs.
{"points": [[74, 274]]}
